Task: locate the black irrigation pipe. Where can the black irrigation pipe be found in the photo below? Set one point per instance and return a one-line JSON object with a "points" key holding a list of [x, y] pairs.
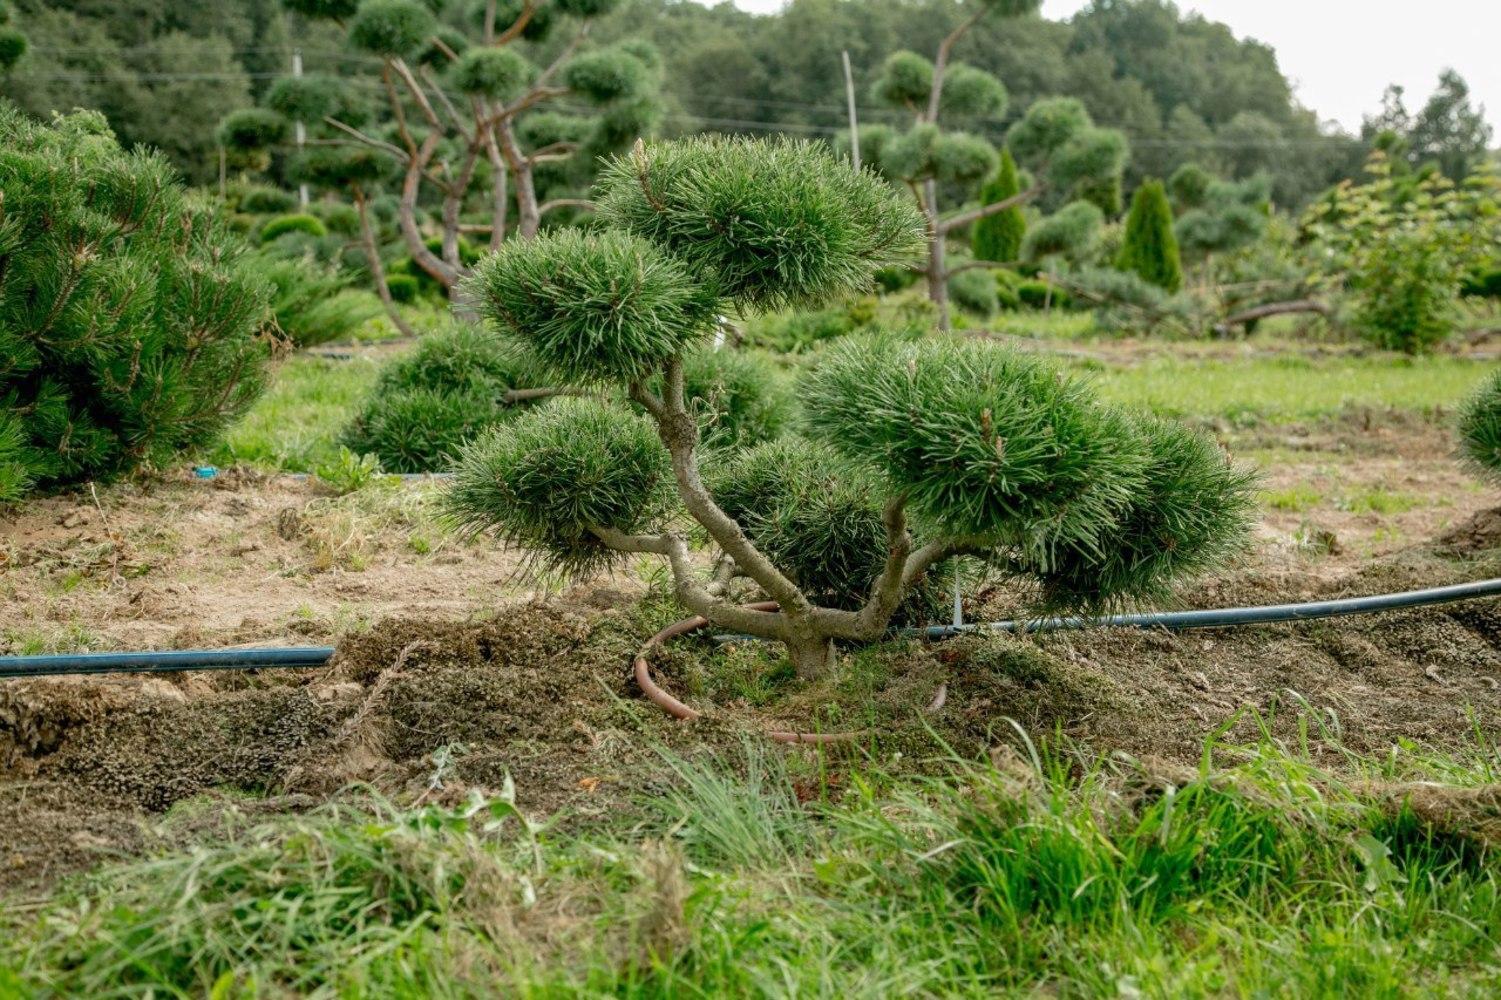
{"points": [[316, 656], [1228, 617], [164, 663], [208, 473]]}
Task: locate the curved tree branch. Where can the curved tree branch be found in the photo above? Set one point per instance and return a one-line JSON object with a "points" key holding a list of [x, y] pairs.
{"points": [[953, 222]]}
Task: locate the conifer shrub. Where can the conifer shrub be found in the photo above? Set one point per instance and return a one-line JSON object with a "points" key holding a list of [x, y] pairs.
{"points": [[403, 287], [999, 237], [298, 222], [1069, 234], [1007, 289], [738, 397], [264, 200], [128, 315], [974, 291], [312, 302], [1150, 250], [427, 403], [962, 447], [337, 218], [1480, 429], [1035, 294]]}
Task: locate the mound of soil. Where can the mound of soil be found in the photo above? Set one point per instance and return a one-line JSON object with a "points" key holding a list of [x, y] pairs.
{"points": [[428, 711], [1480, 533], [1430, 675]]}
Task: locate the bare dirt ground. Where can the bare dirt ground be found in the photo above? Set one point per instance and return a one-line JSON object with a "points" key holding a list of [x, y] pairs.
{"points": [[454, 673], [254, 560], [179, 564]]}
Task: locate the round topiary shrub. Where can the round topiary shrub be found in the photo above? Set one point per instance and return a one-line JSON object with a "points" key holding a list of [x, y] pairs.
{"points": [[128, 318], [738, 397], [974, 291], [300, 222], [403, 287], [262, 200], [391, 28], [917, 452], [1480, 429], [565, 469], [337, 217], [495, 73], [1036, 294], [426, 404]]}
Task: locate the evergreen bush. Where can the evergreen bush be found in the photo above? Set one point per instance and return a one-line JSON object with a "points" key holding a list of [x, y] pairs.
{"points": [[738, 398], [974, 291], [427, 403], [128, 316], [1479, 429], [311, 302], [263, 200], [917, 451], [998, 237], [403, 287], [1150, 250], [299, 222]]}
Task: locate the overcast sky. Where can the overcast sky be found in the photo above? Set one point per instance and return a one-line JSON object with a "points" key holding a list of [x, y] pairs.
{"points": [[1341, 54]]}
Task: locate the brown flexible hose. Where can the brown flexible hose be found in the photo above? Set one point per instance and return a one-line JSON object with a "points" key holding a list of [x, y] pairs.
{"points": [[672, 706]]}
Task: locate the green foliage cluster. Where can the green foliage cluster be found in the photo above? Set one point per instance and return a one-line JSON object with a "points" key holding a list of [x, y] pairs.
{"points": [[1124, 302], [607, 75], [300, 222], [563, 294], [127, 316], [782, 229], [548, 478], [975, 292], [998, 237], [1150, 250], [392, 28], [1221, 216], [499, 74], [428, 403], [1480, 429], [815, 515], [312, 302], [1070, 234], [738, 397], [1004, 448], [1402, 249], [818, 517]]}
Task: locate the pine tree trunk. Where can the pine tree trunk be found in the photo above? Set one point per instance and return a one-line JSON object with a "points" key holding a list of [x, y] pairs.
{"points": [[812, 657], [938, 286]]}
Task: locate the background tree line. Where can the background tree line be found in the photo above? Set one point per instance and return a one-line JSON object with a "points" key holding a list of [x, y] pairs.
{"points": [[1181, 88]]}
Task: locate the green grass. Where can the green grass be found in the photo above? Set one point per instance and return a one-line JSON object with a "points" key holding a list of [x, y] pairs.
{"points": [[1289, 389], [295, 426], [1044, 870], [1294, 498]]}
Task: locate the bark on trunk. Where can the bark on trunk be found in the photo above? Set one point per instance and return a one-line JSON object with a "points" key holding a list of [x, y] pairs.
{"points": [[378, 269], [938, 285], [812, 657]]}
